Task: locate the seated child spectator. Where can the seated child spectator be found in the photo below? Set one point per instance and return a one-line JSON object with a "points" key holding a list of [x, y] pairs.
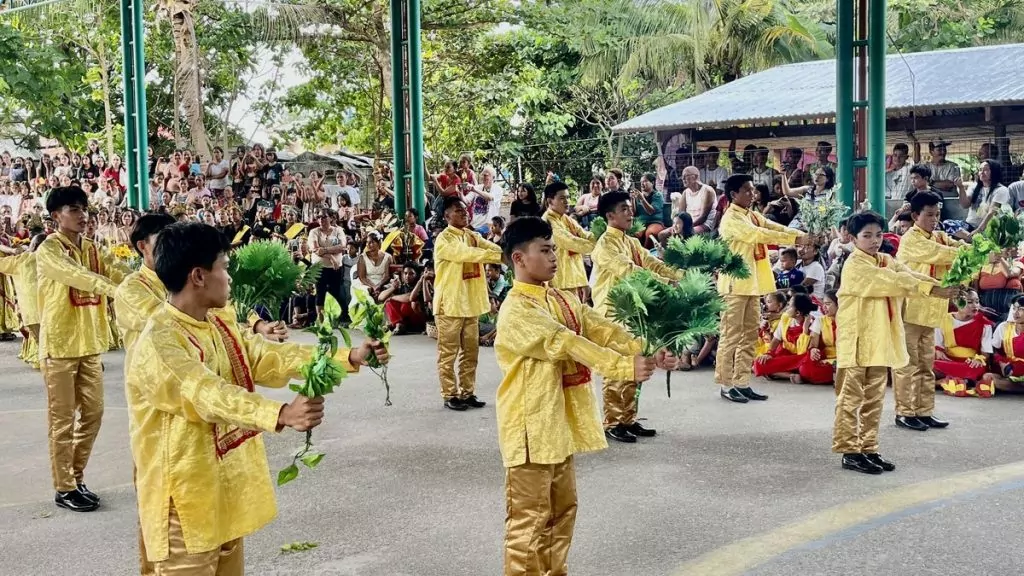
{"points": [[1008, 349], [819, 365], [497, 228], [403, 301], [498, 287], [772, 311], [963, 346], [790, 341], [787, 275]]}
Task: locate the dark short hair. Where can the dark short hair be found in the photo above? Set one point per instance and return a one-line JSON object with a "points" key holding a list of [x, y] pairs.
{"points": [[826, 145], [185, 246], [609, 201], [788, 252], [450, 201], [832, 295], [860, 220], [902, 147], [412, 266], [550, 190], [735, 182], [904, 217], [922, 200], [799, 289], [493, 266], [522, 232], [921, 170], [500, 221], [148, 225], [66, 196], [803, 303]]}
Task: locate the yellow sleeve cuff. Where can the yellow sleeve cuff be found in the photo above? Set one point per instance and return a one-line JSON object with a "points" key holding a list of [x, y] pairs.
{"points": [[268, 414], [624, 370], [342, 358]]}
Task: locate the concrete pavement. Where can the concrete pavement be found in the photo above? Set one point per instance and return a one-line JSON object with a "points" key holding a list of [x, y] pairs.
{"points": [[416, 490]]}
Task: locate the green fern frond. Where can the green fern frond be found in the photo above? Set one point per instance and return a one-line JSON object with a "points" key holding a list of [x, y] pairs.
{"points": [[263, 274], [705, 254]]}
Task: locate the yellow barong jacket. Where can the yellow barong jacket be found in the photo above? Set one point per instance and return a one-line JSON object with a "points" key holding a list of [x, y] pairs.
{"points": [[460, 287], [617, 255], [546, 343], [73, 284], [870, 321], [931, 255], [22, 269], [195, 426], [748, 234], [571, 243]]}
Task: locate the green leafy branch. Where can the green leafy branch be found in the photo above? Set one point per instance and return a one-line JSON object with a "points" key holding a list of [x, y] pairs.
{"points": [[705, 254], [264, 275], [1003, 231], [666, 316], [322, 373], [369, 317]]}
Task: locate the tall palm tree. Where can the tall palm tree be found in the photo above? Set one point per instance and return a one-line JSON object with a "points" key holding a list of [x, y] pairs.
{"points": [[270, 22], [707, 42]]}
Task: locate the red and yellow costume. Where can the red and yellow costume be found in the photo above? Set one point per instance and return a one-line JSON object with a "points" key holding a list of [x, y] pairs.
{"points": [[962, 340], [765, 330], [823, 370], [788, 356], [1009, 344]]}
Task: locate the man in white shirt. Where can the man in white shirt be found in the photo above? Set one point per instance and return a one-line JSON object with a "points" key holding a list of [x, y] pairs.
{"points": [[944, 173], [494, 192], [710, 172], [897, 180], [760, 172]]}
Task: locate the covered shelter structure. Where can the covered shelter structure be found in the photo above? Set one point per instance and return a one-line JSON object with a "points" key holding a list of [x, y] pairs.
{"points": [[967, 96], [332, 163]]}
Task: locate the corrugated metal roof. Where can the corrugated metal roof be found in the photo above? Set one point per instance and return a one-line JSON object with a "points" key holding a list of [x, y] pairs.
{"points": [[962, 78]]}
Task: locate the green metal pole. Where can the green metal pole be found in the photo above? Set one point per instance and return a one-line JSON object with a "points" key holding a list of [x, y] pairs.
{"points": [[398, 106], [128, 77], [141, 110], [844, 101], [876, 105], [416, 166]]}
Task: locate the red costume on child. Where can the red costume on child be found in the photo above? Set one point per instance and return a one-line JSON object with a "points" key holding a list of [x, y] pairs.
{"points": [[822, 371], [960, 341], [788, 356]]}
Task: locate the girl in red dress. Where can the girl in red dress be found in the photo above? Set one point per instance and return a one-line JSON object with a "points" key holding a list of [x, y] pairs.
{"points": [[963, 346], [819, 365]]}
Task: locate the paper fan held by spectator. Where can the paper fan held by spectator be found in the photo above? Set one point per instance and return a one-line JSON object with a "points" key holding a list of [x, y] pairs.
{"points": [[705, 254], [264, 276], [598, 226], [1003, 231], [666, 316]]}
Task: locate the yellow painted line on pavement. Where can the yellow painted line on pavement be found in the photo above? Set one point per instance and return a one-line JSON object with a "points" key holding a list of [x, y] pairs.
{"points": [[746, 554]]}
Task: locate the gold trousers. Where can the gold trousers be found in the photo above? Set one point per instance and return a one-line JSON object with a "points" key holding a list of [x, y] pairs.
{"points": [[72, 385], [619, 402], [540, 513], [228, 560], [737, 340], [457, 339], [858, 409], [914, 384]]}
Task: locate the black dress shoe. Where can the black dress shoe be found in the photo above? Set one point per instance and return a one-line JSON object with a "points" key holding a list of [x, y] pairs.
{"points": [[88, 493], [75, 501], [751, 394], [733, 395], [932, 422], [620, 433], [882, 463], [472, 402], [637, 430], [455, 404], [859, 463], [910, 423]]}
